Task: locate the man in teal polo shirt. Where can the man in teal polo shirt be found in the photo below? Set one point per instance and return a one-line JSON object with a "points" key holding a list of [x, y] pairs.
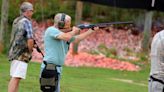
{"points": [[57, 39]]}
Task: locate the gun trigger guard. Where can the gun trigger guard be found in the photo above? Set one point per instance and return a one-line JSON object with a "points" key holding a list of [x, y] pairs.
{"points": [[92, 28]]}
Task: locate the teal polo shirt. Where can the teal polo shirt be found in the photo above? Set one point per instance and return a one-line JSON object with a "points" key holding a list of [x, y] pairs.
{"points": [[55, 49]]}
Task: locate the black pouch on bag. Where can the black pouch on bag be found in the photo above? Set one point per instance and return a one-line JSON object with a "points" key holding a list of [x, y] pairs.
{"points": [[49, 78]]}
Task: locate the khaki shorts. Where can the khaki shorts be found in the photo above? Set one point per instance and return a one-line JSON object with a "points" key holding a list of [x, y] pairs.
{"points": [[18, 69]]}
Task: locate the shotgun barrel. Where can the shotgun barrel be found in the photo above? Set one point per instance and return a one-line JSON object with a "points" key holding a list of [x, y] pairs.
{"points": [[101, 25]]}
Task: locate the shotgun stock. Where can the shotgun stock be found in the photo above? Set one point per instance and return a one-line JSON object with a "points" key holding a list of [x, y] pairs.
{"points": [[38, 49]]}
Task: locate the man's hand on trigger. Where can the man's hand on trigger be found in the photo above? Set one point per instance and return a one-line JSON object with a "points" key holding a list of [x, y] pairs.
{"points": [[96, 29], [76, 29]]}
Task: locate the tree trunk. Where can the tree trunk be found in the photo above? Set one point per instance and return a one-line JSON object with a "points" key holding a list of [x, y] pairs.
{"points": [[147, 31], [4, 22], [78, 16]]}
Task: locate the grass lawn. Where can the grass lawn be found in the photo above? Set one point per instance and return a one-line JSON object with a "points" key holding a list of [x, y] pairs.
{"points": [[81, 79]]}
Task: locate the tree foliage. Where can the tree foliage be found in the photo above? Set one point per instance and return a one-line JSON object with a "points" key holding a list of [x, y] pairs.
{"points": [[46, 9], [4, 23]]}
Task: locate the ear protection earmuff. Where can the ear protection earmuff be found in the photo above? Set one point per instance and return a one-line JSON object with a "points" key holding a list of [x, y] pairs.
{"points": [[61, 23]]}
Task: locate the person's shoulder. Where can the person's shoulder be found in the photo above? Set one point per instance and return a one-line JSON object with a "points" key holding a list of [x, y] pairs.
{"points": [[159, 34], [16, 19], [21, 19], [162, 31], [52, 28]]}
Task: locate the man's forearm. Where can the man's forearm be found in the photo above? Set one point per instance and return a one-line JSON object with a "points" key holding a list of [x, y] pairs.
{"points": [[74, 32], [30, 44], [84, 35]]}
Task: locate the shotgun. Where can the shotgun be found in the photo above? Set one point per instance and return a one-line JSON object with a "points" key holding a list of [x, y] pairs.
{"points": [[101, 25]]}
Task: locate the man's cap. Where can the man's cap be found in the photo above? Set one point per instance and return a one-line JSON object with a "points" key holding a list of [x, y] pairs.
{"points": [[26, 6]]}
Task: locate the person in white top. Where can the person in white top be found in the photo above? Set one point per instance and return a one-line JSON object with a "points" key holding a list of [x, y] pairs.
{"points": [[156, 79]]}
